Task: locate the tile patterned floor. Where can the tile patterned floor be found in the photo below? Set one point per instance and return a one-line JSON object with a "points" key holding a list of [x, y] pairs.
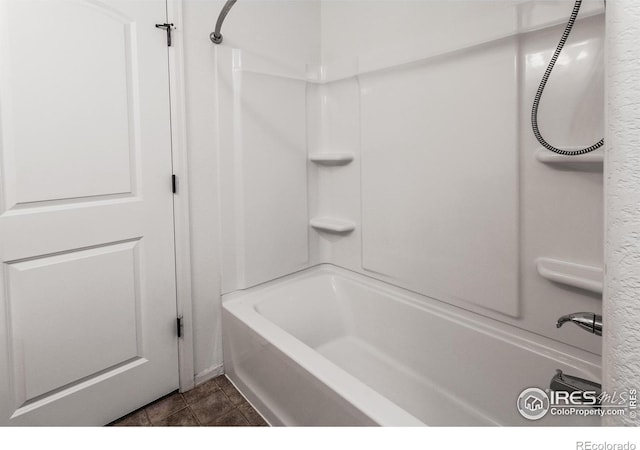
{"points": [[214, 403]]}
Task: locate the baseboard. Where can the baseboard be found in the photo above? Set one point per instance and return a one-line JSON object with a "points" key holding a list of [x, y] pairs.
{"points": [[209, 374]]}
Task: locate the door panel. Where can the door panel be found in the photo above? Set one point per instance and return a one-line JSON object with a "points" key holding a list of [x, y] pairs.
{"points": [[87, 283], [47, 353], [90, 152]]}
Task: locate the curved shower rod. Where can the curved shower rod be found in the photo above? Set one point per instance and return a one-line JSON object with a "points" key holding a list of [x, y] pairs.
{"points": [[216, 36]]}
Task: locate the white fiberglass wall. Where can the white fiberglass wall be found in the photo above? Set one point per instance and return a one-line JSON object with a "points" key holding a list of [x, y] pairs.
{"points": [[392, 138], [451, 195]]}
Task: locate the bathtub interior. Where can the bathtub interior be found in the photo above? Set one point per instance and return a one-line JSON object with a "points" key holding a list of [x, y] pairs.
{"points": [[441, 365], [333, 322]]}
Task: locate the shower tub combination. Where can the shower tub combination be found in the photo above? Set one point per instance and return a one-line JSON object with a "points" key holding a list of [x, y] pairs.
{"points": [[330, 347]]}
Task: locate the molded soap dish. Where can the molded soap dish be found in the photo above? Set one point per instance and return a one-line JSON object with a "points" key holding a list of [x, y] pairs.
{"points": [[331, 159], [332, 225], [588, 160], [571, 274]]}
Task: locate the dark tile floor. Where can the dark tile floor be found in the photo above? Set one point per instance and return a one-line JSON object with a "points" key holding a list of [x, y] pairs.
{"points": [[214, 403]]}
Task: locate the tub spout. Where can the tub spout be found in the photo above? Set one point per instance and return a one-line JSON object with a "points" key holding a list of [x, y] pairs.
{"points": [[585, 320]]}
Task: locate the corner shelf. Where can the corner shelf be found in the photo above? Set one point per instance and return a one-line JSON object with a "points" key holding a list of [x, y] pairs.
{"points": [[592, 159], [331, 159], [588, 278], [332, 225]]}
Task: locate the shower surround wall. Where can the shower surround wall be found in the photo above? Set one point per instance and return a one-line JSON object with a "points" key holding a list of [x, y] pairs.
{"points": [[447, 191], [451, 194], [265, 28]]}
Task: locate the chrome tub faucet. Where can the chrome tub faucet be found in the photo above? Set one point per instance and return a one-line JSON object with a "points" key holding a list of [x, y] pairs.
{"points": [[586, 320]]}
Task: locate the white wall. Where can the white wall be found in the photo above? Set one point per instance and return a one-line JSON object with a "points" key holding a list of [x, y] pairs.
{"points": [[272, 30], [621, 366], [360, 29], [203, 190]]}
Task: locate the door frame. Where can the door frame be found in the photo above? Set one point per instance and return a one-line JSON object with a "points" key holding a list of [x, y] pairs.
{"points": [[181, 217]]}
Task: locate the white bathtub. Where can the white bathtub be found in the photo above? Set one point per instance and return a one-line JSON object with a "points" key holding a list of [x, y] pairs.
{"points": [[329, 347]]}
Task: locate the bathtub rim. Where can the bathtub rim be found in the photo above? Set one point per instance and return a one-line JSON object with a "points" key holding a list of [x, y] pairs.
{"points": [[467, 317], [242, 305]]}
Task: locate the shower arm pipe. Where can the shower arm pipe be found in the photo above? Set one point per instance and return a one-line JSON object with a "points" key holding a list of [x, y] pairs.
{"points": [[216, 36]]}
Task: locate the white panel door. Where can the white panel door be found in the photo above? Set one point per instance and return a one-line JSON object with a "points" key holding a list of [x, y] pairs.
{"points": [[87, 280]]}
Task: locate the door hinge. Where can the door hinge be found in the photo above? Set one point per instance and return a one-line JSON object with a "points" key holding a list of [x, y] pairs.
{"points": [[167, 27], [179, 327], [174, 184]]}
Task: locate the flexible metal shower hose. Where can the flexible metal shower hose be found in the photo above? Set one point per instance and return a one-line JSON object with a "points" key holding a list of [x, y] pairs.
{"points": [[543, 83]]}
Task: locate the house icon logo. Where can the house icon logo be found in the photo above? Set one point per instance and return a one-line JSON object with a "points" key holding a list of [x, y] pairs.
{"points": [[533, 403]]}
